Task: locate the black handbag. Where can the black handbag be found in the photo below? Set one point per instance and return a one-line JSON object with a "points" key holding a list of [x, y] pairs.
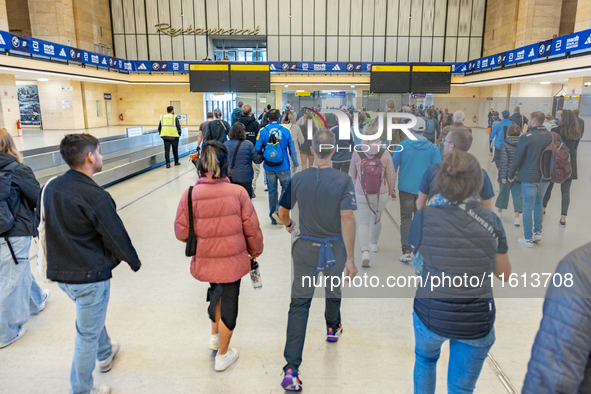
{"points": [[191, 247]]}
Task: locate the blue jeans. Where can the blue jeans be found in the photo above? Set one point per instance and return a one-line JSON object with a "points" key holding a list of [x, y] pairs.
{"points": [[20, 295], [533, 196], [272, 177], [92, 341], [466, 358]]}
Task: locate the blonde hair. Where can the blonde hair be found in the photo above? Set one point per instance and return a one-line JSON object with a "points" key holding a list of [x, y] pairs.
{"points": [[214, 159], [7, 145], [288, 117]]}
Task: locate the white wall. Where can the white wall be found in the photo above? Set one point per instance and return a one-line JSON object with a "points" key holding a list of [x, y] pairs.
{"points": [[320, 30]]}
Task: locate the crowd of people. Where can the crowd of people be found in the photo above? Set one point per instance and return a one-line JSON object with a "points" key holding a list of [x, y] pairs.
{"points": [[447, 225]]}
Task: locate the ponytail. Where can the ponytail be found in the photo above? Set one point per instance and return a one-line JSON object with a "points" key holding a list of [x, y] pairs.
{"points": [[214, 159]]}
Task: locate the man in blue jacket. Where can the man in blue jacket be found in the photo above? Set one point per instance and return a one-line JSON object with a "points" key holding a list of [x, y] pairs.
{"points": [[276, 159], [498, 133], [236, 113], [411, 159], [519, 119]]}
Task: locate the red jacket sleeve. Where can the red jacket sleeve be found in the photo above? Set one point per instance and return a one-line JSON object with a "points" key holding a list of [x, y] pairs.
{"points": [[250, 225], [181, 223]]}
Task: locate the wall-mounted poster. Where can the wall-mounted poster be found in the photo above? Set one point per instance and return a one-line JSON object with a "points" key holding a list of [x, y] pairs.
{"points": [[28, 103]]}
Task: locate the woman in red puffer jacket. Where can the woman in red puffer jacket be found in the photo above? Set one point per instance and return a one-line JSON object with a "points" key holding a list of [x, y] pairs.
{"points": [[228, 236]]}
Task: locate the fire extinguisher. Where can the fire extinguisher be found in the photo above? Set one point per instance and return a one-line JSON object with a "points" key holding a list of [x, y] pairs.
{"points": [[18, 127], [120, 116], [474, 119]]}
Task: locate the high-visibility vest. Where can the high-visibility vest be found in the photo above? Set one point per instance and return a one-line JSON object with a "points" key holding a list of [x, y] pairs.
{"points": [[168, 126]]}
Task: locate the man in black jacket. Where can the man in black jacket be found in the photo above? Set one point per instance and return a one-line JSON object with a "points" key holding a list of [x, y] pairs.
{"points": [[519, 119], [526, 164], [85, 241]]}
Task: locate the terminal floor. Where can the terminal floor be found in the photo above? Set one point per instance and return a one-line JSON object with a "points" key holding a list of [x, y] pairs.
{"points": [[32, 138], [159, 314]]}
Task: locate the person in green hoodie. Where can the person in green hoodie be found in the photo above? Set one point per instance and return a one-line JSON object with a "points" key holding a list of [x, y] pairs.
{"points": [[411, 159]]}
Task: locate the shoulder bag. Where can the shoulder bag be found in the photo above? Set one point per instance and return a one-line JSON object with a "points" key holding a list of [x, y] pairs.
{"points": [[191, 247]]}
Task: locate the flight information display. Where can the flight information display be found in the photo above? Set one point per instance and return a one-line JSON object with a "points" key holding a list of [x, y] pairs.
{"points": [[390, 79], [209, 77], [430, 79], [252, 78]]}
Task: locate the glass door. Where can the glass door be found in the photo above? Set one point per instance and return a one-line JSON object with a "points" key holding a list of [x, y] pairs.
{"points": [[250, 56]]}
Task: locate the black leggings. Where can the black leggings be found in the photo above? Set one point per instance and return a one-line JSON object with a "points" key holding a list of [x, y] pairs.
{"points": [[227, 294], [565, 191], [247, 186]]}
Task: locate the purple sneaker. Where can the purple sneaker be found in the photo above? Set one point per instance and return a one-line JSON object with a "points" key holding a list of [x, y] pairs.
{"points": [[332, 335], [291, 382]]}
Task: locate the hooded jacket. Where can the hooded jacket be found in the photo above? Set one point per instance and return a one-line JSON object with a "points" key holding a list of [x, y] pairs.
{"points": [[507, 153], [23, 198], [560, 360], [498, 132], [517, 119], [252, 127], [242, 171], [222, 250], [411, 160], [236, 113]]}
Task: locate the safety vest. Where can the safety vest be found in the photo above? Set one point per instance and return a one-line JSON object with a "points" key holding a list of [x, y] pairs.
{"points": [[168, 126]]}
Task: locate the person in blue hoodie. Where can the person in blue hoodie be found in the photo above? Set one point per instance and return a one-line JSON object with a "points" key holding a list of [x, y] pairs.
{"points": [[498, 134], [236, 112], [411, 159]]}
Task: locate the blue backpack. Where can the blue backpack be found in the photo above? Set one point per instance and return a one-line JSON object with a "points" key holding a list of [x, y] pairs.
{"points": [[430, 131], [273, 153]]}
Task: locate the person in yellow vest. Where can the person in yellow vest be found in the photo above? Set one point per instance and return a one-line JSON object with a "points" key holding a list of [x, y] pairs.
{"points": [[170, 131]]}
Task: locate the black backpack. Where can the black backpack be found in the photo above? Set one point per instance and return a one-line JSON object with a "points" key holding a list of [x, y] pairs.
{"points": [[6, 213]]}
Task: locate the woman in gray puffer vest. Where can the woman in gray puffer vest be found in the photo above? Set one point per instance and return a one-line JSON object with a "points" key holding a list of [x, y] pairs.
{"points": [[461, 244], [505, 186], [241, 154]]}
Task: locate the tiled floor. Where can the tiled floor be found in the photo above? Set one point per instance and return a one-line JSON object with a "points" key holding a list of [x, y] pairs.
{"points": [[159, 314]]}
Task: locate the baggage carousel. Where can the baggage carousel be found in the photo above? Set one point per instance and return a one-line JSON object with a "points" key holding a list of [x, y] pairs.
{"points": [[123, 156]]}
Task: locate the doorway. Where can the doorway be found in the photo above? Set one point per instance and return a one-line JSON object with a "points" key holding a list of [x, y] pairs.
{"points": [[108, 112], [177, 107]]}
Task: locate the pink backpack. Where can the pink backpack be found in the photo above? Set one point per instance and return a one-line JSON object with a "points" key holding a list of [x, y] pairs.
{"points": [[371, 177], [555, 162]]}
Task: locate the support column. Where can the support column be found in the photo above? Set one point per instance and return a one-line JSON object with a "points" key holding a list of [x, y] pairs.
{"points": [[9, 111], [53, 21]]}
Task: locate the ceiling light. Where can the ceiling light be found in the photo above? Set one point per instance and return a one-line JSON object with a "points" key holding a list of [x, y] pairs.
{"points": [[42, 79], [352, 86], [286, 85], [545, 83]]}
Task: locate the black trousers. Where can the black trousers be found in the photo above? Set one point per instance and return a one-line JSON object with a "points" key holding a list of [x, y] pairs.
{"points": [[305, 263], [342, 166], [245, 185], [175, 149]]}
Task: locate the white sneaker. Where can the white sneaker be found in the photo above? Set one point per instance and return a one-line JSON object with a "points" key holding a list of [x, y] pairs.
{"points": [[101, 390], [19, 336], [223, 362], [106, 365], [214, 342], [517, 223], [365, 259], [47, 293], [528, 243], [538, 236], [499, 214], [373, 248], [405, 258]]}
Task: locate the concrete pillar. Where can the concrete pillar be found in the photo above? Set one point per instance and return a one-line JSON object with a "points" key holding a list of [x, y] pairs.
{"points": [[53, 21], [583, 15], [9, 111], [3, 16]]}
